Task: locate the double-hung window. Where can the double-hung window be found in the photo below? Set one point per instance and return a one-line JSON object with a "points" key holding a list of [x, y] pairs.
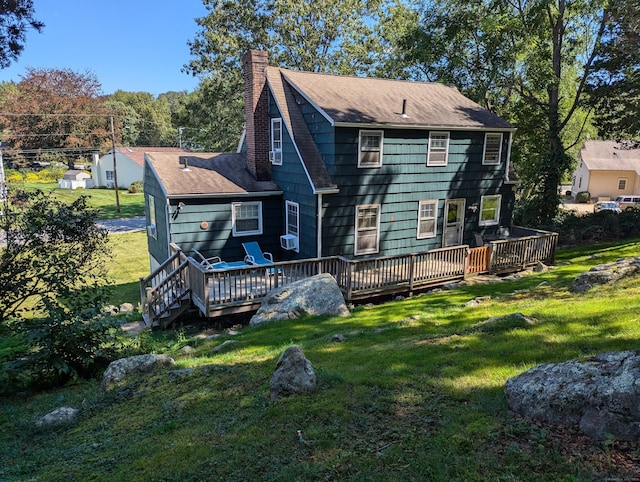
{"points": [[427, 219], [293, 221], [370, 149], [367, 229], [622, 184], [438, 149], [490, 210], [275, 156], [109, 175], [246, 218], [492, 148]]}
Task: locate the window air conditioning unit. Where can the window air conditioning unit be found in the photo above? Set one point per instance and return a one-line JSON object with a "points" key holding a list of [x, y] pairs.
{"points": [[152, 231], [275, 157], [289, 242]]}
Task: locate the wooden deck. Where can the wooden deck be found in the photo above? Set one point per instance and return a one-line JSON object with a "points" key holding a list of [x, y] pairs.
{"points": [[235, 290]]}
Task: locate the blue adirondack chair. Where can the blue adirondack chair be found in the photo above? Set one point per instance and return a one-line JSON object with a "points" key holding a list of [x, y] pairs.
{"points": [[255, 255]]}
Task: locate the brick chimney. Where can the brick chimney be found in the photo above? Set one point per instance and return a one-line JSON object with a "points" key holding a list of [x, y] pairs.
{"points": [[256, 113]]}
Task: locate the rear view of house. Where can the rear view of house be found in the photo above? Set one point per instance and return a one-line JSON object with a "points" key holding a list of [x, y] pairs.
{"points": [[333, 165]]}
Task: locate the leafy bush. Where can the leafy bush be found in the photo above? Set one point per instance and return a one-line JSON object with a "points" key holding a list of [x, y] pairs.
{"points": [[13, 175], [595, 227], [51, 174], [63, 348], [135, 187], [583, 197]]}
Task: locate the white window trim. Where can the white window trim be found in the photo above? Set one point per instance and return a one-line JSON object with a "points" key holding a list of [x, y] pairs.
{"points": [[151, 228], [484, 151], [622, 179], [496, 220], [286, 219], [360, 149], [435, 219], [446, 150], [377, 247], [276, 157], [233, 219]]}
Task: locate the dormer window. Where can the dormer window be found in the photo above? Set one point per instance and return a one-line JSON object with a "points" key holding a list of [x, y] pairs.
{"points": [[370, 149]]}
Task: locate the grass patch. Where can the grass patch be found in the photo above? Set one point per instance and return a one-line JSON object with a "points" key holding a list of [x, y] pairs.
{"points": [[129, 263], [104, 200], [414, 392]]}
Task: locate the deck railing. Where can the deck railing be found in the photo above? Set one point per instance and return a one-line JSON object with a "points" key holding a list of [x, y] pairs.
{"points": [[164, 287], [528, 248], [242, 288]]}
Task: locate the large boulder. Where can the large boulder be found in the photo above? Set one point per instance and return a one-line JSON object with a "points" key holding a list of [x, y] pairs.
{"points": [[118, 370], [606, 273], [599, 396], [317, 295], [293, 374]]}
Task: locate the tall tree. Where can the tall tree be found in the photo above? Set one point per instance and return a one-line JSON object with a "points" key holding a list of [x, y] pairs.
{"points": [[148, 119], [515, 57], [16, 17], [615, 82], [327, 36], [54, 109]]}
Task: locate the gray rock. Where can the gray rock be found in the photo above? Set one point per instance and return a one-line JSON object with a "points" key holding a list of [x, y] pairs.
{"points": [[541, 267], [317, 295], [599, 396], [505, 323], [225, 346], [337, 338], [293, 374], [126, 308], [58, 418], [118, 370], [606, 273]]}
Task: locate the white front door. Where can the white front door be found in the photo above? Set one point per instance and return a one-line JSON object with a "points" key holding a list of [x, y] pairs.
{"points": [[453, 222]]}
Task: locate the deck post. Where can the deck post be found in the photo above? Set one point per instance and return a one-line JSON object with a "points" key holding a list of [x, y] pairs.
{"points": [[412, 262]]}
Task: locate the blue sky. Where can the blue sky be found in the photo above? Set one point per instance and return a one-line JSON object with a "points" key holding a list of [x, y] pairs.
{"points": [[133, 45]]}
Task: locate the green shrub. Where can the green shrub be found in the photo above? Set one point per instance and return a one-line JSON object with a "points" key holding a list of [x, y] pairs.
{"points": [[62, 349], [135, 187], [583, 197]]}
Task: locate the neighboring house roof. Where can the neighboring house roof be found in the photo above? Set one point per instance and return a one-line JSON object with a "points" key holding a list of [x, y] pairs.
{"points": [[136, 154], [609, 156], [75, 174], [294, 121], [373, 101], [208, 174]]}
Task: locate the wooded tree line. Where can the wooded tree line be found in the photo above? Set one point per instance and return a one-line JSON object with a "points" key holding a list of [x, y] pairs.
{"points": [[560, 70]]}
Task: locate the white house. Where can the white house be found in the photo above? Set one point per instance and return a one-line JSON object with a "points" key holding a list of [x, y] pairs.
{"points": [[607, 169], [129, 165], [74, 179]]}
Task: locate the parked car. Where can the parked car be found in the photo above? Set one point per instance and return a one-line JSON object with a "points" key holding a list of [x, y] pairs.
{"points": [[607, 206], [627, 203]]}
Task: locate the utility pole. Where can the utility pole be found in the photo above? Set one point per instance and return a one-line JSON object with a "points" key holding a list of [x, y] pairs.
{"points": [[180, 137], [115, 171]]}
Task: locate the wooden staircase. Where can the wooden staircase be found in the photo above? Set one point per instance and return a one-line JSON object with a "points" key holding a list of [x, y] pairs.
{"points": [[165, 293]]}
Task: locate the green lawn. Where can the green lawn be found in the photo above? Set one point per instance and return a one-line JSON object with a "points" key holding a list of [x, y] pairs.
{"points": [[129, 263], [102, 199], [413, 393]]}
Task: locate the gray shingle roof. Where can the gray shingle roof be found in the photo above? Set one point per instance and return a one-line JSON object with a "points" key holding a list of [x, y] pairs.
{"points": [[609, 156], [208, 174], [373, 101]]}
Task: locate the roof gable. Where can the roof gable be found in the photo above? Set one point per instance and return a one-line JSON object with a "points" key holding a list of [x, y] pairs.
{"points": [[374, 101], [299, 132]]}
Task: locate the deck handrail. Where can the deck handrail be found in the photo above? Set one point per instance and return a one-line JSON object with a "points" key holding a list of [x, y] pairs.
{"points": [[246, 286]]}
